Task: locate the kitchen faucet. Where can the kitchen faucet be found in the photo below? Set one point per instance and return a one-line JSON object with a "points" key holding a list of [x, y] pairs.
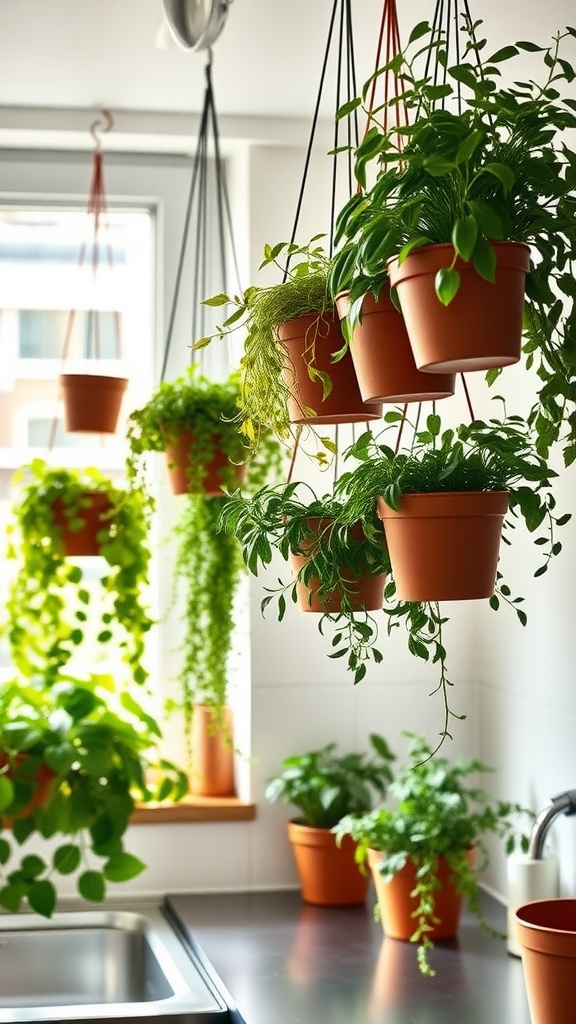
{"points": [[564, 803]]}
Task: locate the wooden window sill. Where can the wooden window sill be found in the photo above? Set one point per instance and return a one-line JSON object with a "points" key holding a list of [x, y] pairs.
{"points": [[195, 808]]}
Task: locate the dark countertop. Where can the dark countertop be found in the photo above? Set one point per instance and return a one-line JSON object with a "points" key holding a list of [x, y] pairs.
{"points": [[288, 962]]}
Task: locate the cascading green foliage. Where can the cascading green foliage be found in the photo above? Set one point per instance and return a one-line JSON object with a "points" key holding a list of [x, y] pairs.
{"points": [[481, 161], [208, 569], [50, 606], [260, 310], [439, 810]]}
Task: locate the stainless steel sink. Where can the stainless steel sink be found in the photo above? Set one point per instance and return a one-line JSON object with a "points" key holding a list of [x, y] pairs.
{"points": [[111, 965]]}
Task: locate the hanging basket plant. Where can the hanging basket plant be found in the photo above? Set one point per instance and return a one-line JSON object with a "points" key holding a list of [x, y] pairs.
{"points": [[92, 401]]}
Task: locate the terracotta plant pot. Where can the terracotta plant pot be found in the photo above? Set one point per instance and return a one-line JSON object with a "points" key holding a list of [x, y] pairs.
{"points": [[482, 326], [212, 769], [366, 593], [321, 331], [445, 546], [329, 875], [178, 455], [397, 905], [85, 540], [546, 931], [42, 781], [92, 402], [383, 357]]}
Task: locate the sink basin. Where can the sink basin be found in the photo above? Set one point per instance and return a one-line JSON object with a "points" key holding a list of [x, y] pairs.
{"points": [[112, 964]]}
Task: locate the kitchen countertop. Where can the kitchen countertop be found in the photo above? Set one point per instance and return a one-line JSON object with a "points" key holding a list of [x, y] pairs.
{"points": [[287, 962]]}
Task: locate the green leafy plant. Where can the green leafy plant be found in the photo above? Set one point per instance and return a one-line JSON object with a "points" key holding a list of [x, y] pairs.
{"points": [[482, 161], [324, 785], [492, 455], [51, 608], [279, 518], [206, 409], [260, 310], [97, 745], [440, 811]]}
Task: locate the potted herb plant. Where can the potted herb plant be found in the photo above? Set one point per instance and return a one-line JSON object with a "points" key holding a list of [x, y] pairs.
{"points": [[493, 172], [51, 611], [193, 420], [431, 845], [339, 561], [288, 374], [93, 747], [324, 786]]}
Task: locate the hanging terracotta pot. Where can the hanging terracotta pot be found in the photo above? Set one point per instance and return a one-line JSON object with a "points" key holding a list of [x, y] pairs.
{"points": [[546, 931], [92, 402], [445, 546], [218, 470], [383, 357], [212, 769], [366, 593], [321, 333], [329, 875], [41, 781], [482, 326], [397, 905], [93, 512]]}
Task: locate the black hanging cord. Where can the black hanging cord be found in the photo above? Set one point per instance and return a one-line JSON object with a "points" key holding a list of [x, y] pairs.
{"points": [[199, 191]]}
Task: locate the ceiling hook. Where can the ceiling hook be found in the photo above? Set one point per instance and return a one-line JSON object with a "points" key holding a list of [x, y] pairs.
{"points": [[103, 124]]}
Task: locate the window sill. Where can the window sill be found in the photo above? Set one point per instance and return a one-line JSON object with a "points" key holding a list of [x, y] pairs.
{"points": [[195, 808]]}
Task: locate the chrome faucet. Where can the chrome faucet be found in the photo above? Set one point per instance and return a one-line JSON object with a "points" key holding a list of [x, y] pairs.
{"points": [[564, 803]]}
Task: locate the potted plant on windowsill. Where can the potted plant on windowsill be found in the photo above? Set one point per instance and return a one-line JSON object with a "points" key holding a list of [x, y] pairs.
{"points": [[288, 374], [430, 847], [461, 183], [94, 748], [339, 562], [51, 609], [324, 786]]}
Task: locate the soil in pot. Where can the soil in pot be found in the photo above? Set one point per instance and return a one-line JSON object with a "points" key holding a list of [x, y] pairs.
{"points": [[365, 593], [383, 359], [481, 328], [92, 402], [329, 875], [317, 336], [546, 931], [94, 515], [445, 546]]}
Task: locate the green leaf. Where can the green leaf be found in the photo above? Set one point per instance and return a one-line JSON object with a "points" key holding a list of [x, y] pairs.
{"points": [[216, 300], [502, 172], [91, 886], [464, 235], [488, 221], [11, 896], [6, 792], [447, 283], [484, 259], [5, 851], [122, 867], [42, 898], [504, 54], [66, 859], [419, 30], [468, 146]]}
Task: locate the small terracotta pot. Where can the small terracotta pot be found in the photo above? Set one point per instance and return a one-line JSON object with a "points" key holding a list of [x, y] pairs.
{"points": [[445, 546], [397, 905], [42, 781], [306, 405], [482, 326], [92, 402], [212, 769], [85, 540], [329, 875], [178, 454], [366, 593], [383, 357], [546, 931]]}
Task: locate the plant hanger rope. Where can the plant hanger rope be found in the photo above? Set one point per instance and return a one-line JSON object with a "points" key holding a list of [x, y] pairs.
{"points": [[207, 159], [96, 211]]}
